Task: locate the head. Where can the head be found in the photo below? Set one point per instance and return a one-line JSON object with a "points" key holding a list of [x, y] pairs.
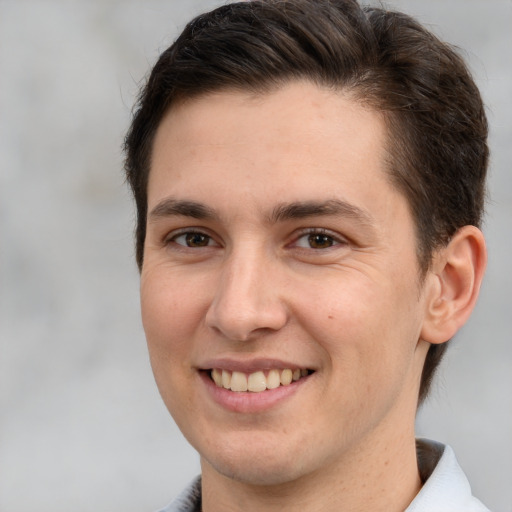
{"points": [[435, 152]]}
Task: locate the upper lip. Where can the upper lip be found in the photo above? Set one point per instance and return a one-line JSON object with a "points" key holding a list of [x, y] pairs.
{"points": [[250, 365]]}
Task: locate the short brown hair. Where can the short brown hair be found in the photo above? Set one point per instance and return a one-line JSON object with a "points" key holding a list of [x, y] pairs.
{"points": [[437, 128]]}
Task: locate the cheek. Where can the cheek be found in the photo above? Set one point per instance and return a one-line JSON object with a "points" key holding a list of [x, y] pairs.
{"points": [[169, 317], [168, 320], [167, 302], [367, 329]]}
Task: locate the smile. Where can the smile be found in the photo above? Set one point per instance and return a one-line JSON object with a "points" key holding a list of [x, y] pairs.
{"points": [[257, 382]]}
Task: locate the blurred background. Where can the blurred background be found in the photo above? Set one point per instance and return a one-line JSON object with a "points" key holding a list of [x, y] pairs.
{"points": [[82, 427]]}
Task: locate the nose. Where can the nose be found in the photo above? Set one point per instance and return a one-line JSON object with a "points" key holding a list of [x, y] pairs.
{"points": [[248, 302]]}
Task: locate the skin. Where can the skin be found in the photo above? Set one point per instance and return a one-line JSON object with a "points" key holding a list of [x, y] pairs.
{"points": [[337, 292]]}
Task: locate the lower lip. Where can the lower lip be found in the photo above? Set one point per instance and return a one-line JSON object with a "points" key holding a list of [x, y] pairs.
{"points": [[248, 402]]}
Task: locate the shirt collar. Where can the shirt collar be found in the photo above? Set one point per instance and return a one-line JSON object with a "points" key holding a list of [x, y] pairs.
{"points": [[445, 487]]}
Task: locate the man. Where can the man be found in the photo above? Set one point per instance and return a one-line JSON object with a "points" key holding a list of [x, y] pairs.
{"points": [[309, 180]]}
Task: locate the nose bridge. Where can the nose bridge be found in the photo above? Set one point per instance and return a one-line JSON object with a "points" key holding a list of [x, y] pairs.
{"points": [[247, 300]]}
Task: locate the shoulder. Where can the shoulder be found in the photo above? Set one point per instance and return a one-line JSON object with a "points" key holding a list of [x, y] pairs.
{"points": [[445, 488], [189, 500]]}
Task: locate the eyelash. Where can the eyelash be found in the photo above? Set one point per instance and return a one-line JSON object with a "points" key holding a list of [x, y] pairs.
{"points": [[189, 232], [331, 239], [335, 239]]}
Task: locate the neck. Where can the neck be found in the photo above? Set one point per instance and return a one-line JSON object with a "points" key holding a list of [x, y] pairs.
{"points": [[381, 476]]}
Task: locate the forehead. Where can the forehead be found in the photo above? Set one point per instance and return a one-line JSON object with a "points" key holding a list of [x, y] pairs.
{"points": [[298, 129]]}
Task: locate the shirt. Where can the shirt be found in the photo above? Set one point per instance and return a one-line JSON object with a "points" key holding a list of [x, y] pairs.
{"points": [[445, 488]]}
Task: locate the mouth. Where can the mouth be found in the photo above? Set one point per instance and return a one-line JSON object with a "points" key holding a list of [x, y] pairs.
{"points": [[256, 382]]}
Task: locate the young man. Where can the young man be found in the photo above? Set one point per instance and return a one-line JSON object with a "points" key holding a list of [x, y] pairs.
{"points": [[309, 180]]}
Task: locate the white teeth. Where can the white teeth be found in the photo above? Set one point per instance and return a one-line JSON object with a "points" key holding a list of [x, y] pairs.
{"points": [[226, 379], [238, 381], [257, 381], [273, 379], [217, 377], [286, 377]]}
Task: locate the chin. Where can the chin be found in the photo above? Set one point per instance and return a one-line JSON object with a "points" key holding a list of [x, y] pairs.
{"points": [[254, 472], [256, 461]]}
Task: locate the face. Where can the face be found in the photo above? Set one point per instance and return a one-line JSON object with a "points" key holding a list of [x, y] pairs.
{"points": [[278, 250]]}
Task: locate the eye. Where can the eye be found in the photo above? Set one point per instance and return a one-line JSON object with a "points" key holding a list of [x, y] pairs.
{"points": [[318, 239], [193, 239]]}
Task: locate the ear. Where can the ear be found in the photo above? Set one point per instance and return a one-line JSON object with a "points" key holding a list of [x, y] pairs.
{"points": [[454, 283]]}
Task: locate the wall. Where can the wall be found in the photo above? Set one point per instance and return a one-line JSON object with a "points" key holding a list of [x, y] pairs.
{"points": [[82, 426]]}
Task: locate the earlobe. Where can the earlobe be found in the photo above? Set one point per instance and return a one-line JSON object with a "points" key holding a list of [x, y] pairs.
{"points": [[454, 283]]}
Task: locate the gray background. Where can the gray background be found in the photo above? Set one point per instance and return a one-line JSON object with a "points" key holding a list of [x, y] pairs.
{"points": [[82, 425]]}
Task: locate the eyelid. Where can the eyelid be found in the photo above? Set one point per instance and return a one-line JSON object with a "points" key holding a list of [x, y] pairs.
{"points": [[171, 237], [337, 238]]}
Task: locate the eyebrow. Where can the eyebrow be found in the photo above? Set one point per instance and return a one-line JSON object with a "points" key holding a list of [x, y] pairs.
{"points": [[173, 207], [170, 207], [331, 207]]}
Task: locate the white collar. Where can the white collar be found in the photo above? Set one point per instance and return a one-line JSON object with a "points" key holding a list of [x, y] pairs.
{"points": [[446, 488]]}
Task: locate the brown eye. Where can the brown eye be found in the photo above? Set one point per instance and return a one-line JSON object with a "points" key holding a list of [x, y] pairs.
{"points": [[193, 239], [197, 240], [320, 241]]}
